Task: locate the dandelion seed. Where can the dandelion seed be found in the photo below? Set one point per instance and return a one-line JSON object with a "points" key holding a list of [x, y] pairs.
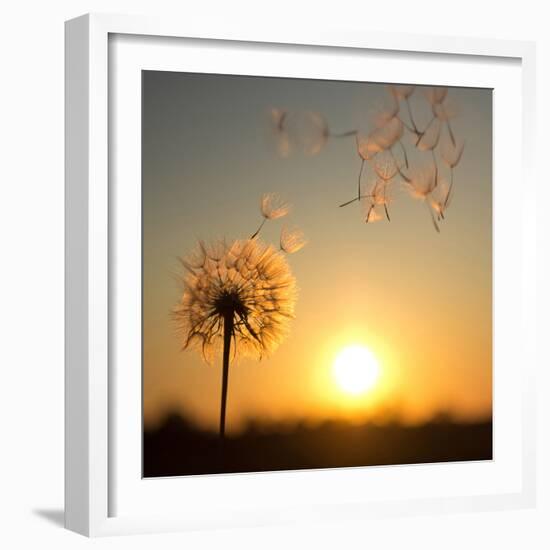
{"points": [[242, 293], [429, 139], [386, 136], [307, 131], [435, 94], [376, 201], [363, 149], [372, 215], [278, 128], [272, 207], [401, 91], [451, 153], [439, 199], [292, 240], [445, 110], [422, 182], [277, 118], [385, 166], [385, 111], [366, 148]]}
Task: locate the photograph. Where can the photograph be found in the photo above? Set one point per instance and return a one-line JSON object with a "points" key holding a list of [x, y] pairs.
{"points": [[317, 274]]}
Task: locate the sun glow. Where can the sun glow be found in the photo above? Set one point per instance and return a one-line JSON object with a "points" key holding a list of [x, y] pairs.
{"points": [[356, 369]]}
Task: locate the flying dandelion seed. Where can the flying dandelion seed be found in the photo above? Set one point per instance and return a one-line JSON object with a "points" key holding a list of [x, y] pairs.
{"points": [[272, 207], [440, 199], [401, 91], [292, 240], [385, 111], [385, 137], [366, 147], [451, 153], [429, 139], [239, 295], [278, 118], [307, 131], [422, 184], [435, 94], [366, 150], [385, 166], [370, 212], [445, 110], [376, 201], [391, 148]]}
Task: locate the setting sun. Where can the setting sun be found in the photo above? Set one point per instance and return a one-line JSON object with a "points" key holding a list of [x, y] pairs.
{"points": [[356, 369]]}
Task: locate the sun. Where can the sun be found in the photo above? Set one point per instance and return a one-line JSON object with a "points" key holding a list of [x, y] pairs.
{"points": [[356, 369]]}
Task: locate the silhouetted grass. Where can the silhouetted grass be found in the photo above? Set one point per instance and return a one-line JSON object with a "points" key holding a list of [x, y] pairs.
{"points": [[179, 448]]}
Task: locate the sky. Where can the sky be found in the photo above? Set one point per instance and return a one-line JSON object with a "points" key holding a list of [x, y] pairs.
{"points": [[419, 300]]}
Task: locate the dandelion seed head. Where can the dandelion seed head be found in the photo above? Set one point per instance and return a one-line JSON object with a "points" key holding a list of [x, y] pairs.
{"points": [[273, 207], [250, 281]]}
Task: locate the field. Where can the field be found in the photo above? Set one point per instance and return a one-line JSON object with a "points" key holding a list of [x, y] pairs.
{"points": [[177, 448]]}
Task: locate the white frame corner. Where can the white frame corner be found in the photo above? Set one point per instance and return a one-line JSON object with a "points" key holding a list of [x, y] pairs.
{"points": [[87, 248]]}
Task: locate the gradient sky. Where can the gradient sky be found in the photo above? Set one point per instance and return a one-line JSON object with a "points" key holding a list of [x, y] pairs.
{"points": [[421, 301]]}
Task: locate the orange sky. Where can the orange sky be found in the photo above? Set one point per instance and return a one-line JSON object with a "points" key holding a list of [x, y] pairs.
{"points": [[421, 301]]}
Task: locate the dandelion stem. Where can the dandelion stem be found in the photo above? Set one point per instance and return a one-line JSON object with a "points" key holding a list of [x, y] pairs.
{"points": [[451, 133], [355, 199], [259, 229], [228, 322], [404, 155], [409, 128], [450, 189], [435, 168], [421, 134], [349, 133], [348, 202], [359, 179], [368, 213], [411, 115], [436, 227]]}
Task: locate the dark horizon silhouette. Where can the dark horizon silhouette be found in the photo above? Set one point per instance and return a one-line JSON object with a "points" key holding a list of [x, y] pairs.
{"points": [[177, 447]]}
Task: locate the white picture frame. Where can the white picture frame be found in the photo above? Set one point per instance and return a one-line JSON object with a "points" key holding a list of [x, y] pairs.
{"points": [[92, 432]]}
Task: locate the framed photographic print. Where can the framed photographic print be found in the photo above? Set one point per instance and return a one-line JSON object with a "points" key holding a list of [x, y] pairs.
{"points": [[293, 288]]}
